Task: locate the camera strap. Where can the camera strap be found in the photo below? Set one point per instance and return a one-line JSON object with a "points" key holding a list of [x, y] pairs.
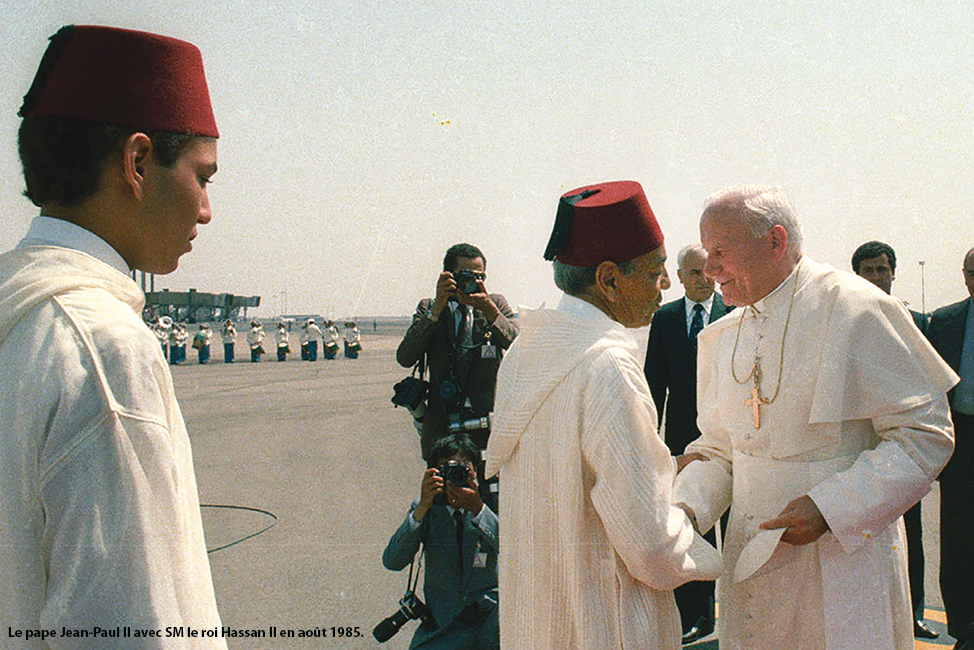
{"points": [[420, 367], [418, 563]]}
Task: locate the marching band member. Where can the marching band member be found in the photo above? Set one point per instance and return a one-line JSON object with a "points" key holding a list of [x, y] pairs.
{"points": [[353, 338], [255, 338], [229, 335], [283, 346]]}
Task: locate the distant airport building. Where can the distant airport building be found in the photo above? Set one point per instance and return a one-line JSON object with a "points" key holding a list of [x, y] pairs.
{"points": [[195, 307]]}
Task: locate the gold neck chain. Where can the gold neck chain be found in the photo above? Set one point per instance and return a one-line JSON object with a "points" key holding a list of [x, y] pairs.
{"points": [[756, 368]]}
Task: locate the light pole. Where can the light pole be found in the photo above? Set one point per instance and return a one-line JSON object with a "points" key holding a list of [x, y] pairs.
{"points": [[923, 289], [283, 295]]}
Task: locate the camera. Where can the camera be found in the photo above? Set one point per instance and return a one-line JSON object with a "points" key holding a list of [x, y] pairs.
{"points": [[410, 609], [453, 471], [467, 281]]}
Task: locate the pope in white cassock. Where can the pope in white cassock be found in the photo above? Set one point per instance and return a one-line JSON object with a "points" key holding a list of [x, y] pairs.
{"points": [[592, 546], [824, 417]]}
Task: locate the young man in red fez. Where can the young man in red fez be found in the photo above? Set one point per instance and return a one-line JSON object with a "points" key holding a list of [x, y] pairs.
{"points": [[99, 513], [592, 546]]}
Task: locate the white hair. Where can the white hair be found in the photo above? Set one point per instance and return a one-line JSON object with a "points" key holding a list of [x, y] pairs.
{"points": [[573, 280], [681, 257], [762, 207]]}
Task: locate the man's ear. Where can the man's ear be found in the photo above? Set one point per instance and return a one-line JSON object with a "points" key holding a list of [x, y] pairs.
{"points": [[606, 278], [779, 241], [135, 153]]}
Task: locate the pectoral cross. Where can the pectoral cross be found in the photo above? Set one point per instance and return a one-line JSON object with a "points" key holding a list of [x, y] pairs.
{"points": [[755, 401]]}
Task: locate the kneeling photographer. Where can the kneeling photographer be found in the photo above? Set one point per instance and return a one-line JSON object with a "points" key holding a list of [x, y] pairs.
{"points": [[462, 333], [458, 533]]}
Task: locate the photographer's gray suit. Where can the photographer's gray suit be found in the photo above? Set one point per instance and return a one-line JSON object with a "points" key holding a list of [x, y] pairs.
{"points": [[450, 587]]}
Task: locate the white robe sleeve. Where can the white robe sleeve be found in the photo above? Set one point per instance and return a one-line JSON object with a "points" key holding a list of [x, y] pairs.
{"points": [[633, 473], [706, 487], [886, 481], [115, 554]]}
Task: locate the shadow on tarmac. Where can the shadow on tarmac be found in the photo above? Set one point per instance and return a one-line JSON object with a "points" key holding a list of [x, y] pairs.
{"points": [[935, 618]]}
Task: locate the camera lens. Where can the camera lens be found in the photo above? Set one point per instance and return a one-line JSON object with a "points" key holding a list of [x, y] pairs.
{"points": [[448, 389], [389, 627]]}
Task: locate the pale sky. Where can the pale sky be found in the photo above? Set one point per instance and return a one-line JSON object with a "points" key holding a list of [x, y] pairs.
{"points": [[360, 139]]}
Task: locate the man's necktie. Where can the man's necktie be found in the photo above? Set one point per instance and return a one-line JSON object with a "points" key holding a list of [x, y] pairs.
{"points": [[458, 517], [463, 327], [697, 323]]}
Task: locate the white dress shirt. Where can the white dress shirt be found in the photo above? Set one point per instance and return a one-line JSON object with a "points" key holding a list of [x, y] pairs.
{"points": [[49, 231], [707, 306]]}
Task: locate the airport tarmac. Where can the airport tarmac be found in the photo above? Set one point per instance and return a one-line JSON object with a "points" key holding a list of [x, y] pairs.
{"points": [[320, 447]]}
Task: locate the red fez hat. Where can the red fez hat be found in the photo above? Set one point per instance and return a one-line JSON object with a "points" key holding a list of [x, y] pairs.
{"points": [[605, 222], [124, 78]]}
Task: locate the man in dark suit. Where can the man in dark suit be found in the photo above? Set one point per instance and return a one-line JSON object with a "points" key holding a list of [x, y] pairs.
{"points": [[671, 371], [459, 535], [463, 333], [951, 332], [876, 261]]}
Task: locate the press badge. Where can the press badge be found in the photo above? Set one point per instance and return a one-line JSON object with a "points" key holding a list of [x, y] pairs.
{"points": [[480, 557], [488, 352]]}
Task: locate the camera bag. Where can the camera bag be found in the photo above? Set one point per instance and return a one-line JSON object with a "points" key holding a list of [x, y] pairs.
{"points": [[411, 392]]}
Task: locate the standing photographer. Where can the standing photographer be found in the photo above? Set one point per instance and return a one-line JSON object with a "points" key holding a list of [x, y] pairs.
{"points": [[459, 535], [463, 332]]}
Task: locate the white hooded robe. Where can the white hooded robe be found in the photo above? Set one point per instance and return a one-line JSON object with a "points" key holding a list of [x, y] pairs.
{"points": [[99, 513], [591, 548]]}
